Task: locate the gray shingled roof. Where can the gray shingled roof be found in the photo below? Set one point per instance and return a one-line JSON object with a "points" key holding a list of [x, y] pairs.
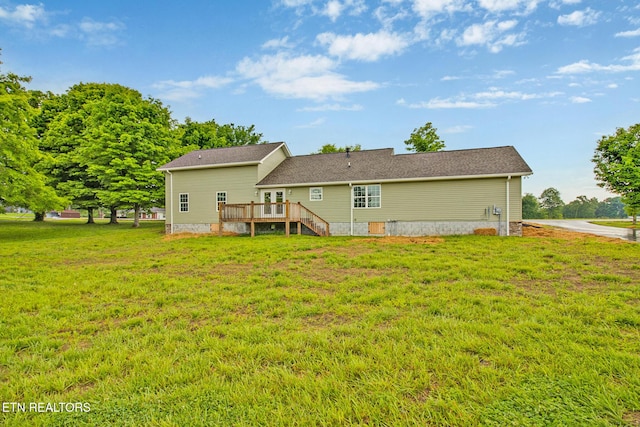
{"points": [[222, 156], [383, 165]]}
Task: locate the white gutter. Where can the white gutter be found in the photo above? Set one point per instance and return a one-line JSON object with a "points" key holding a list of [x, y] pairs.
{"points": [[222, 165], [173, 219], [508, 194]]}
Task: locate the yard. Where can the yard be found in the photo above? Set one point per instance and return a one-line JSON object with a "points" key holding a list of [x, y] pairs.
{"points": [[143, 329]]}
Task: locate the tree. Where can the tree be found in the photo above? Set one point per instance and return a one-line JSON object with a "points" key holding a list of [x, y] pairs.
{"points": [[127, 139], [195, 135], [581, 207], [424, 139], [107, 141], [21, 184], [617, 166], [331, 148], [530, 207], [611, 207], [551, 203]]}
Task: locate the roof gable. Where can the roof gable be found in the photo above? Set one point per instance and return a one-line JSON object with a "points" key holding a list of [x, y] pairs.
{"points": [[224, 157]]}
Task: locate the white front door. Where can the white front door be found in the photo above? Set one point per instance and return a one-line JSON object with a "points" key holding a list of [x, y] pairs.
{"points": [[273, 203]]}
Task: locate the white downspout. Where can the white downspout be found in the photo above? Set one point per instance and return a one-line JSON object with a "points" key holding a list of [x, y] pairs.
{"points": [[351, 208], [171, 199], [507, 216]]}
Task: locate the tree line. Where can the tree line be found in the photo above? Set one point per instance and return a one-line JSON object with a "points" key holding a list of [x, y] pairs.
{"points": [[96, 145], [551, 206]]}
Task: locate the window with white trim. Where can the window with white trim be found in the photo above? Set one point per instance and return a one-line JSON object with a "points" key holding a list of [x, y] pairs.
{"points": [[221, 197], [315, 194], [367, 196], [184, 202]]}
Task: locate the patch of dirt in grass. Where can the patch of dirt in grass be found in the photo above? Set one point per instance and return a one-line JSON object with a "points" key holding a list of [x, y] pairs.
{"points": [[633, 418], [426, 240], [555, 233], [184, 235]]}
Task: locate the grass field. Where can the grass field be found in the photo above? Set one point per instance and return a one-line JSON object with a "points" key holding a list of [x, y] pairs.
{"points": [[618, 223], [469, 330]]}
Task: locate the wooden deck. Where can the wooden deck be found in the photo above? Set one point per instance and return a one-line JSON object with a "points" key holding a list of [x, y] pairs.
{"points": [[286, 212]]}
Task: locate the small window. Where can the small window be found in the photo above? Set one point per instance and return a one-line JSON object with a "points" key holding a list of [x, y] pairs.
{"points": [[315, 194], [221, 197], [367, 196], [184, 202]]}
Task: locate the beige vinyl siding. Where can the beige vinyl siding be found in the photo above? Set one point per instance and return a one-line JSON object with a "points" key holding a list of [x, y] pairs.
{"points": [[456, 200], [202, 186]]}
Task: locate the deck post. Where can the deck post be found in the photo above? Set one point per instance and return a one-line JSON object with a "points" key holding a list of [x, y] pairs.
{"points": [[286, 218], [220, 216], [253, 224]]}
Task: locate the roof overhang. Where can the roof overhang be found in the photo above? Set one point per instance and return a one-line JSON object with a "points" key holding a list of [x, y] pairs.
{"points": [[223, 165], [398, 180]]}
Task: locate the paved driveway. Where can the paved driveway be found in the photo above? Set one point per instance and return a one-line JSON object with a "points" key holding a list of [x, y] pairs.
{"points": [[583, 226]]}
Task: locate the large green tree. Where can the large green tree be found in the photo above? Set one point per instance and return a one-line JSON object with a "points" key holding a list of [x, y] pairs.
{"points": [[424, 139], [530, 207], [107, 141], [194, 135], [127, 139], [551, 203], [21, 183], [617, 166]]}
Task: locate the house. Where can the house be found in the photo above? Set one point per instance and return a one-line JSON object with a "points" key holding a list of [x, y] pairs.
{"points": [[369, 192]]}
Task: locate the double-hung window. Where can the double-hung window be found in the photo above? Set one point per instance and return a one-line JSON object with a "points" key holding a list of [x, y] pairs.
{"points": [[367, 196], [184, 202], [221, 197], [315, 194]]}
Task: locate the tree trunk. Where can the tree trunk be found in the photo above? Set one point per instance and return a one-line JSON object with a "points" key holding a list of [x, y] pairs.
{"points": [[90, 216], [39, 216], [136, 215], [114, 216]]}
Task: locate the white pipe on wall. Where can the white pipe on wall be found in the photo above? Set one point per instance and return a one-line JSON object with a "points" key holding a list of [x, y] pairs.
{"points": [[508, 207], [171, 199]]}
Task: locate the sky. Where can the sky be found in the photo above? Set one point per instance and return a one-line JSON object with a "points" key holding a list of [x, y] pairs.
{"points": [[550, 77]]}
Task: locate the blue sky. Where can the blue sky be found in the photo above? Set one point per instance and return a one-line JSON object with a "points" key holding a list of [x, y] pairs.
{"points": [[549, 77]]}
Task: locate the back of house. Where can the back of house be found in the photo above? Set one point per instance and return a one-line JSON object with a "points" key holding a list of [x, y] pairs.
{"points": [[369, 192]]}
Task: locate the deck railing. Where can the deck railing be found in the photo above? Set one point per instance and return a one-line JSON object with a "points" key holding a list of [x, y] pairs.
{"points": [[272, 212]]}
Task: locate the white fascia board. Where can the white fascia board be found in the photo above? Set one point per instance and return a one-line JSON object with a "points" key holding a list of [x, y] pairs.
{"points": [[380, 181], [223, 165]]}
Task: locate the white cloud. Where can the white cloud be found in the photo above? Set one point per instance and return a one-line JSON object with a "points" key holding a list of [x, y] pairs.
{"points": [[25, 14], [429, 8], [189, 89], [580, 18], [333, 107], [100, 33], [333, 9], [580, 100], [492, 35], [584, 66], [497, 94], [632, 33], [278, 43], [313, 124], [307, 77], [438, 104], [363, 47], [497, 6]]}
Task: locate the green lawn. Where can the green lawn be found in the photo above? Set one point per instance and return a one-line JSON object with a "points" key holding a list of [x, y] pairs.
{"points": [[620, 224], [468, 330]]}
